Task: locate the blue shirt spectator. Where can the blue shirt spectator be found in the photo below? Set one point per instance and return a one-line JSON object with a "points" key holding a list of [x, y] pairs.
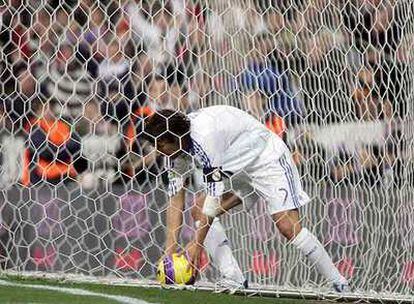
{"points": [[264, 76]]}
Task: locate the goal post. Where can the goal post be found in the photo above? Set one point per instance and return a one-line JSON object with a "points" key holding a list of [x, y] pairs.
{"points": [[332, 78]]}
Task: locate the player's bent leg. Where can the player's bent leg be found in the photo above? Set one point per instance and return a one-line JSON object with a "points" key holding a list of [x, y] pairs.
{"points": [[218, 248], [228, 201], [288, 223]]}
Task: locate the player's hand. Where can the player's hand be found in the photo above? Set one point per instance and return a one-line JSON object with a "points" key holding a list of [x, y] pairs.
{"points": [[170, 250], [193, 251], [173, 248]]}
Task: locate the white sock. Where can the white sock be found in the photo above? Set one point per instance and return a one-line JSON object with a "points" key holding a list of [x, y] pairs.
{"points": [[310, 247], [218, 248]]}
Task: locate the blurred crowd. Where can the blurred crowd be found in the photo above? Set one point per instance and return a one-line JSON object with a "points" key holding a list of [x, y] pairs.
{"points": [[78, 77]]}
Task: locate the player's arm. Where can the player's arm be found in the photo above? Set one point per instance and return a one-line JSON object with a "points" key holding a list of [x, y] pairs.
{"points": [[210, 209], [175, 209], [174, 221], [211, 151], [195, 247]]}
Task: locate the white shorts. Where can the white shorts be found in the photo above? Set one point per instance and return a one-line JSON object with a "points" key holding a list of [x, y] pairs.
{"points": [[271, 176], [276, 179]]}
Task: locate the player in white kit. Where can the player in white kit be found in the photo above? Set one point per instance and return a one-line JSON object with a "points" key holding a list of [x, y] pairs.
{"points": [[228, 142]]}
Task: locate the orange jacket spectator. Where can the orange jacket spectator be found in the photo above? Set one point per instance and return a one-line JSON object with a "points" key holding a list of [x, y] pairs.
{"points": [[53, 153]]}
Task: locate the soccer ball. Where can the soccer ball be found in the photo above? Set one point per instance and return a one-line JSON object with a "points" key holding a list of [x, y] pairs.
{"points": [[172, 269]]}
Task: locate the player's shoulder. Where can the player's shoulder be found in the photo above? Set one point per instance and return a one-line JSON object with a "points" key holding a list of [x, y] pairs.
{"points": [[206, 118], [212, 112]]}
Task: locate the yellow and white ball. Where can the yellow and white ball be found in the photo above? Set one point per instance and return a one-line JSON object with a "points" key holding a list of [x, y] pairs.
{"points": [[173, 269]]}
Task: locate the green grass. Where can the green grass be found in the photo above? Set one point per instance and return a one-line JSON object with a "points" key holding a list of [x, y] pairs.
{"points": [[20, 294]]}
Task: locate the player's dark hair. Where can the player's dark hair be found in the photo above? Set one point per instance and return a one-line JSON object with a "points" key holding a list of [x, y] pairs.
{"points": [[167, 126]]}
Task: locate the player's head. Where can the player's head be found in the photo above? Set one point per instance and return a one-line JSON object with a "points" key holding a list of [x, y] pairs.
{"points": [[168, 131]]}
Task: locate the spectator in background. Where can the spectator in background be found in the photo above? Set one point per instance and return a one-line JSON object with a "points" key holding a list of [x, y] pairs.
{"points": [[17, 19], [119, 89], [5, 132], [43, 38], [97, 27], [157, 26], [157, 97], [141, 73], [68, 83], [39, 37], [376, 24], [168, 91], [93, 123], [380, 165], [178, 83], [33, 34], [5, 124], [17, 103], [101, 146], [264, 75], [54, 150], [115, 108], [371, 162], [114, 71], [306, 40], [377, 33], [342, 167], [393, 165], [369, 105], [132, 160], [73, 35], [257, 104], [310, 157], [61, 17]]}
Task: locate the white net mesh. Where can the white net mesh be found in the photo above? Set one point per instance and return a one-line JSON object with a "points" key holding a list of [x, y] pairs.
{"points": [[332, 78]]}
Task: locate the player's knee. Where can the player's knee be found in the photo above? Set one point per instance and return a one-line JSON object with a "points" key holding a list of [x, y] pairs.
{"points": [[196, 213], [288, 230], [288, 224]]}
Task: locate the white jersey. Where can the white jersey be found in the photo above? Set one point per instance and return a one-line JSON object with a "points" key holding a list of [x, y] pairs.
{"points": [[225, 140], [228, 137]]}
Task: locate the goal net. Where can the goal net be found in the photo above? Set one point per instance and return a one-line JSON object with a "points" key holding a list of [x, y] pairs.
{"points": [[332, 78]]}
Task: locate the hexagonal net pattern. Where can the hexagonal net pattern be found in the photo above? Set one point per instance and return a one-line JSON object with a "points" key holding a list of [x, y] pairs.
{"points": [[116, 114]]}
